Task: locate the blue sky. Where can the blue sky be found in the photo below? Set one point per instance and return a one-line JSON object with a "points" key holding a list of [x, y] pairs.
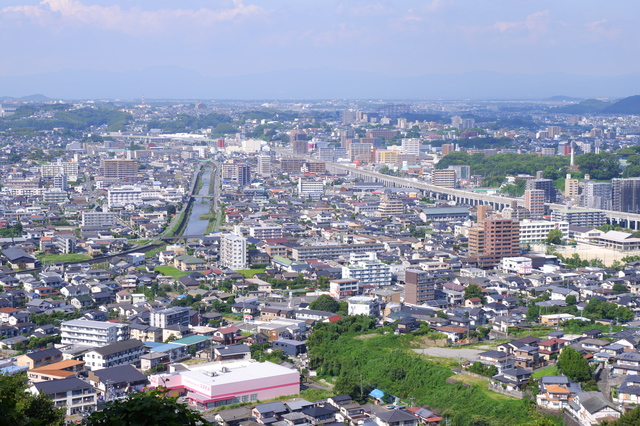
{"points": [[395, 38]]}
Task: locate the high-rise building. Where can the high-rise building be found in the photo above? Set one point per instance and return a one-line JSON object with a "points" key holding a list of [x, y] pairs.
{"points": [[571, 187], [243, 174], [233, 251], [491, 239], [546, 185], [264, 165], [534, 201], [300, 147], [411, 145], [361, 151], [310, 188], [444, 177], [447, 148], [597, 195], [291, 164], [331, 154], [60, 182], [119, 169], [462, 171], [390, 207], [456, 122], [626, 195], [418, 286]]}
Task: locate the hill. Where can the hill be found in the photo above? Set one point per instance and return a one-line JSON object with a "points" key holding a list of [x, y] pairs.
{"points": [[630, 105], [588, 106]]}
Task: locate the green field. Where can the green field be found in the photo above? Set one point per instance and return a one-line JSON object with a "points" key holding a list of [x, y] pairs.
{"points": [[170, 271], [551, 370], [249, 273], [155, 251], [71, 257]]}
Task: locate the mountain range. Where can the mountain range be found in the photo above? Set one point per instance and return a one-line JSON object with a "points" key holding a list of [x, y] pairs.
{"points": [[320, 83]]}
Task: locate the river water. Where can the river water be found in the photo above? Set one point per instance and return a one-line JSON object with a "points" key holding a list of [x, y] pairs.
{"points": [[197, 226]]}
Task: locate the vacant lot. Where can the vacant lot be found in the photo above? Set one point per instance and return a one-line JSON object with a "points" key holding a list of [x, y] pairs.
{"points": [[458, 354], [170, 271]]}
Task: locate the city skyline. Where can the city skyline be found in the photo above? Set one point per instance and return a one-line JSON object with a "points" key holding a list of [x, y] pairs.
{"points": [[123, 43]]}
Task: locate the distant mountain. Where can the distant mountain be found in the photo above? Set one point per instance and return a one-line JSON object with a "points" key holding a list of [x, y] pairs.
{"points": [[588, 106], [318, 83], [561, 98], [630, 105], [36, 98]]}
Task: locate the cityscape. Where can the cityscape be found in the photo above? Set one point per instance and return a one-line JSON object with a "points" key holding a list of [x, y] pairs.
{"points": [[249, 213]]}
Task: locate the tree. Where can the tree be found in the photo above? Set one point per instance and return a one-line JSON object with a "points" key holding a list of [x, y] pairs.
{"points": [[325, 303], [554, 237], [147, 408], [473, 290], [20, 407], [630, 418], [619, 288], [573, 365], [570, 299]]}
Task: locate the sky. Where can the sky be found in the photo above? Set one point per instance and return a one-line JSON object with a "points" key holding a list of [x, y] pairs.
{"points": [[398, 38]]}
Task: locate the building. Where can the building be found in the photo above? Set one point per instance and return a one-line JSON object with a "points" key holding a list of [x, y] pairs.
{"points": [[214, 385], [581, 217], [444, 177], [617, 240], [369, 272], [597, 195], [290, 347], [243, 174], [291, 164], [93, 333], [492, 239], [462, 171], [626, 195], [331, 154], [516, 265], [98, 219], [265, 232], [119, 169], [264, 165], [310, 188], [345, 287], [73, 394], [546, 185], [447, 148], [37, 359], [119, 353], [171, 316], [233, 251], [534, 201], [419, 286], [411, 145], [571, 188], [60, 182], [390, 207], [364, 305], [333, 251], [536, 231]]}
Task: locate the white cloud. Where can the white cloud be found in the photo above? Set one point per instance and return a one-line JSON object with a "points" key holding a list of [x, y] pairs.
{"points": [[535, 24], [600, 28], [133, 21]]}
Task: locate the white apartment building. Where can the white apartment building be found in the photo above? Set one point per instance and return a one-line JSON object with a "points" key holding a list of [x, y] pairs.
{"points": [[170, 316], [73, 394], [233, 251], [93, 333], [516, 265], [264, 165], [98, 219], [310, 188], [369, 272], [264, 232], [411, 146], [536, 231], [363, 305], [69, 169], [115, 354], [137, 194]]}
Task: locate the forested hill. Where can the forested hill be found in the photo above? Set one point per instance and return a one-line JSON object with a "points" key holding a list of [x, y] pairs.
{"points": [[630, 105]]}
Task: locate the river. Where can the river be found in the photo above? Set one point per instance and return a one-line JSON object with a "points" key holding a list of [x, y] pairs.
{"points": [[201, 206]]}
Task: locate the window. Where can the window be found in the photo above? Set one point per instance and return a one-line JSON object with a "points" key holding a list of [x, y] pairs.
{"points": [[254, 397]]}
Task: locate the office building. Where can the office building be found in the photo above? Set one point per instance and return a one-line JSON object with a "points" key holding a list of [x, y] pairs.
{"points": [[119, 169], [626, 195], [580, 217], [491, 239], [387, 157], [546, 185], [534, 201], [93, 333], [419, 286], [264, 165], [243, 174], [390, 207], [233, 251], [444, 177], [98, 219], [462, 171], [361, 152], [331, 154], [291, 164], [171, 316]]}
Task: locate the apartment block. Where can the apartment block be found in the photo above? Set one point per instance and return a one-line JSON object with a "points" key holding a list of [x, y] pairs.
{"points": [[93, 333], [171, 316], [419, 286], [334, 251], [115, 354], [233, 251]]}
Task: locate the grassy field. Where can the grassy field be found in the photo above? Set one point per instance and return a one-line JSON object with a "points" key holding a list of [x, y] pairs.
{"points": [[170, 271], [551, 370], [71, 257], [249, 273], [155, 251]]}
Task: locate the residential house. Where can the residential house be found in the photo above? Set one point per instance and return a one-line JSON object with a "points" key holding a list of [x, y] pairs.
{"points": [[591, 408], [556, 392], [76, 395], [499, 359], [395, 418], [36, 359], [513, 378]]}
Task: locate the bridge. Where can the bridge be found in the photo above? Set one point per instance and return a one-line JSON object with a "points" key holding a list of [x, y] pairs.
{"points": [[469, 198]]}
